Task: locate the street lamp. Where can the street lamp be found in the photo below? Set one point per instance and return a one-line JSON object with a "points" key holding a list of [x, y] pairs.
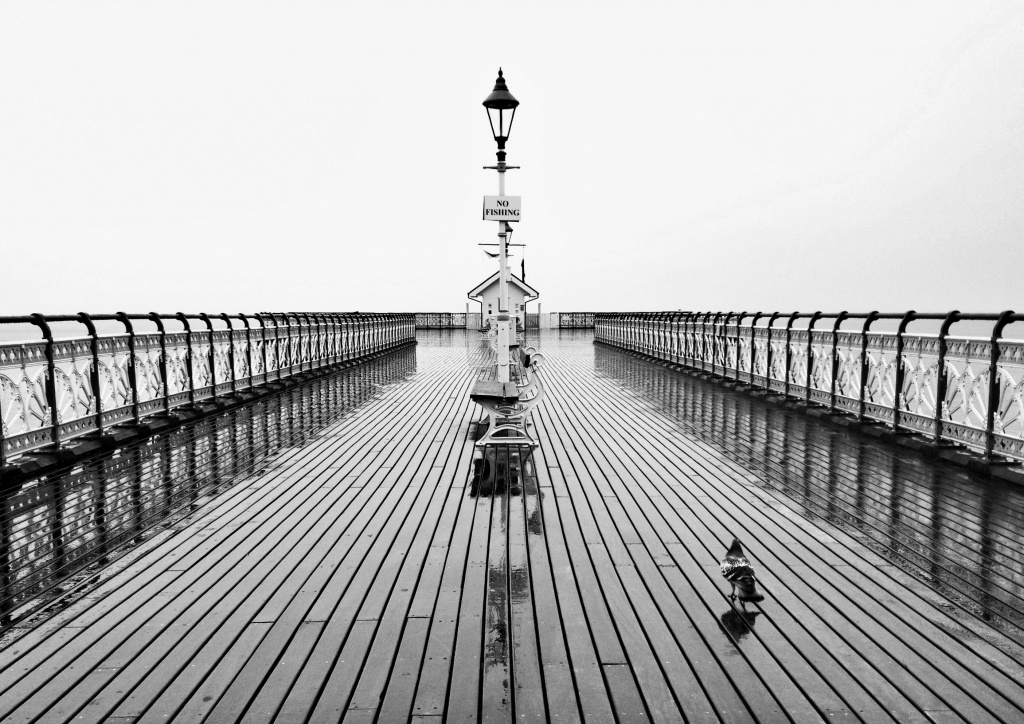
{"points": [[501, 109]]}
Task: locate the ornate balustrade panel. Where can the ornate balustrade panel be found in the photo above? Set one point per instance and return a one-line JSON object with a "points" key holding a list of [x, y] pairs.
{"points": [[965, 405], [920, 382], [576, 320], [760, 371], [848, 366], [796, 375], [890, 377], [880, 380], [821, 367], [447, 320], [1008, 414], [53, 390]]}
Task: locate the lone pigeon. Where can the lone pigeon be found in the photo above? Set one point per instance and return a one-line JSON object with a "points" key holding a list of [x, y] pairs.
{"points": [[737, 571]]}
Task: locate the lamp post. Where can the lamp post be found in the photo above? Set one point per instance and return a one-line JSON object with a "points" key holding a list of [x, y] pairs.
{"points": [[501, 109]]}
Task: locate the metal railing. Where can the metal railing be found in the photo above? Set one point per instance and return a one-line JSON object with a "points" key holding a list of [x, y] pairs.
{"points": [[960, 389], [576, 320], [441, 320], [55, 389]]}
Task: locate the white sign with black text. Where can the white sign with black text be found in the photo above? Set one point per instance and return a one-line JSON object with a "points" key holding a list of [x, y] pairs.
{"points": [[502, 208]]}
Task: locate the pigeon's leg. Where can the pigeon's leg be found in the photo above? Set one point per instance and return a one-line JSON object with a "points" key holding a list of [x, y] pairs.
{"points": [[732, 596]]}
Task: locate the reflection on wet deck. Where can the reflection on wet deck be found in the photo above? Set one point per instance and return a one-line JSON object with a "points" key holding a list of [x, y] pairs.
{"points": [[60, 530], [374, 571]]}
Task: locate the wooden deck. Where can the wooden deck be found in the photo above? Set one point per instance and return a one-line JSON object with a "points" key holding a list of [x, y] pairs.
{"points": [[375, 574]]}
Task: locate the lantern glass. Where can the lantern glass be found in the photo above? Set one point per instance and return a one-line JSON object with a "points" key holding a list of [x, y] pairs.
{"points": [[501, 121]]}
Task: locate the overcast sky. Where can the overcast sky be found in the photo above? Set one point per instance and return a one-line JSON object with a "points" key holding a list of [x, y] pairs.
{"points": [[327, 156]]}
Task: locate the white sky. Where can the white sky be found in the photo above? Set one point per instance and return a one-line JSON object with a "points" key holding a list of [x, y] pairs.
{"points": [[327, 155]]}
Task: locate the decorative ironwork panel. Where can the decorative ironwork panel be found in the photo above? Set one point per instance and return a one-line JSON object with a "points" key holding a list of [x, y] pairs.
{"points": [[760, 341], [797, 373], [880, 383], [967, 371], [743, 352], [821, 366], [778, 371], [1008, 422]]}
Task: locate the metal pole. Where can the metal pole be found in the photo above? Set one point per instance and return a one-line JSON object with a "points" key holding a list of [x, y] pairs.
{"points": [[51, 382], [163, 359], [864, 363], [940, 371], [900, 372], [503, 316], [993, 383], [94, 373]]}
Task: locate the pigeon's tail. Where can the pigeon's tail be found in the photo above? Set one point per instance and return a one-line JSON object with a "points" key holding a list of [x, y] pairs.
{"points": [[746, 590]]}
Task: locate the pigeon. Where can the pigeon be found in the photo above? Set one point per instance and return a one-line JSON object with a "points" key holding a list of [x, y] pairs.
{"points": [[737, 571]]}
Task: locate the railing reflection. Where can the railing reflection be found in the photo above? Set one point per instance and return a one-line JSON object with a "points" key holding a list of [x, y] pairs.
{"points": [[956, 531], [61, 527]]}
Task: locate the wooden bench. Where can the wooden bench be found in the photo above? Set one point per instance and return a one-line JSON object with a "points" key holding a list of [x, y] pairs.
{"points": [[508, 403], [494, 392]]}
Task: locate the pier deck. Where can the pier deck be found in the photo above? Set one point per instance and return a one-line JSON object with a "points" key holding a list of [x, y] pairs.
{"points": [[375, 574]]}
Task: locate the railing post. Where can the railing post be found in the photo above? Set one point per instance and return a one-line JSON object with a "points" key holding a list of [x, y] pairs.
{"points": [[789, 353], [993, 385], [704, 344], [835, 359], [263, 336], [739, 322], [189, 365], [248, 350], [155, 318], [753, 345], [940, 370], [132, 377], [94, 373], [900, 373], [770, 357], [51, 382], [231, 352], [810, 356], [864, 362], [211, 355]]}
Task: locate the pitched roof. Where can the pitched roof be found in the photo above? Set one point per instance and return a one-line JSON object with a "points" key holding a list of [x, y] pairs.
{"points": [[479, 288]]}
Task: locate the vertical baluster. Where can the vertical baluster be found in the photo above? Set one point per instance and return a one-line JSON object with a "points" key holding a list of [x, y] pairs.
{"points": [[864, 362], [189, 364], [897, 391], [789, 353], [211, 356], [159, 322], [133, 382], [753, 346], [248, 351], [940, 371], [835, 359], [770, 352], [810, 357], [94, 373], [231, 353], [51, 381], [993, 382]]}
